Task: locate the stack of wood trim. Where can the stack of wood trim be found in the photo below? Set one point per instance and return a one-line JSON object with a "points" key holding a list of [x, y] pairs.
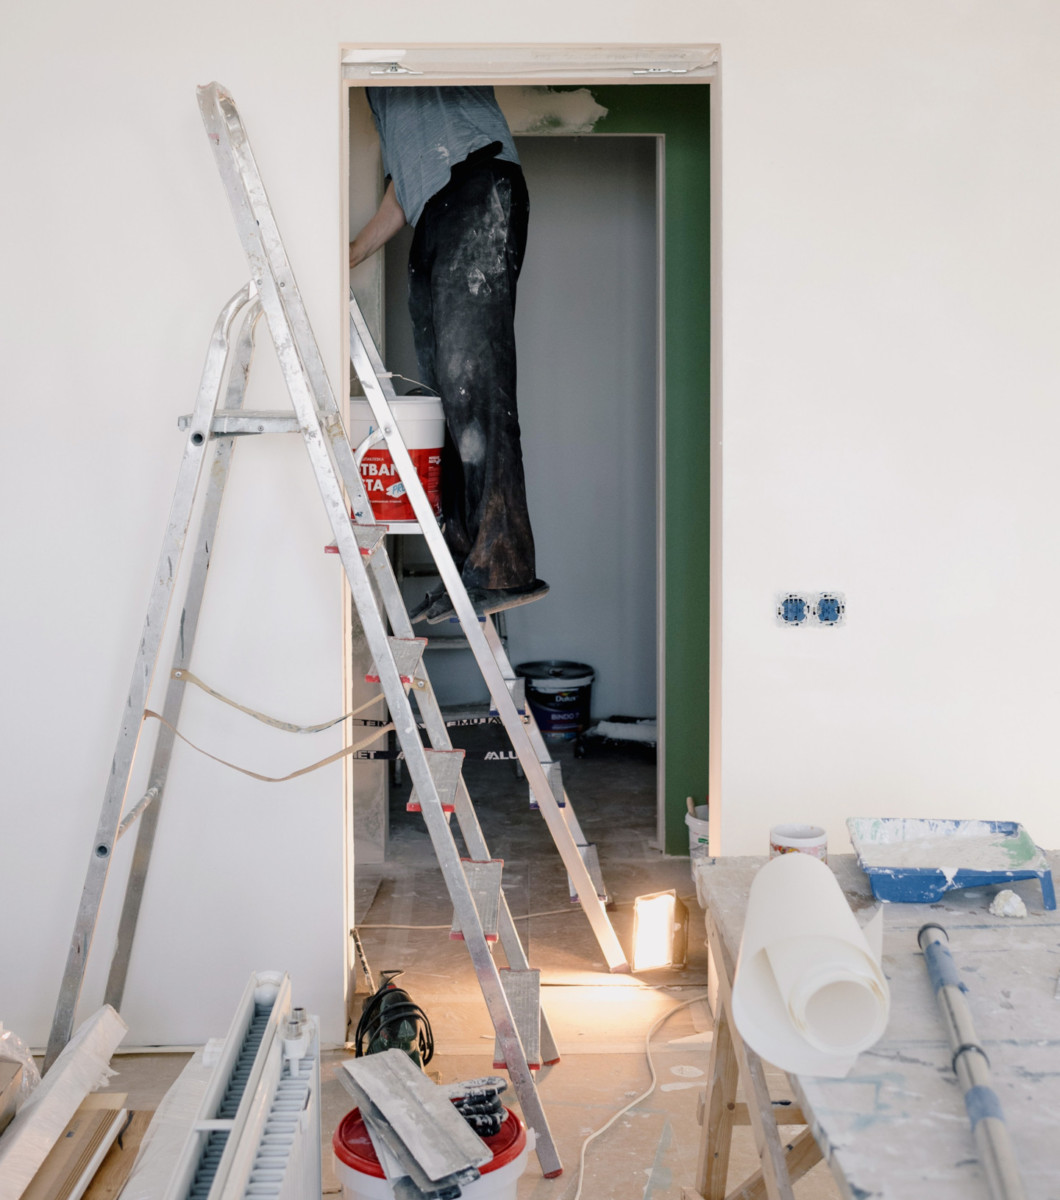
{"points": [[10, 1082], [72, 1163]]}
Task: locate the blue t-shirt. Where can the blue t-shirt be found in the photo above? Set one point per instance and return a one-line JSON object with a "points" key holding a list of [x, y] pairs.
{"points": [[426, 131]]}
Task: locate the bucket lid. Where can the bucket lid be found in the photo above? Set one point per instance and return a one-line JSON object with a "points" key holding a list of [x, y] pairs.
{"points": [[353, 1146], [555, 669], [414, 408]]}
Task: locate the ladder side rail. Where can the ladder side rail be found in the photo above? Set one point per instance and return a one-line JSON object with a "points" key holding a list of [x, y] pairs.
{"points": [[189, 620], [310, 392], [259, 233], [195, 450], [373, 359], [489, 667], [466, 816]]}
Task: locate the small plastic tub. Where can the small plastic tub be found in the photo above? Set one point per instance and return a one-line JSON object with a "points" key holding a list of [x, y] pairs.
{"points": [[362, 1178], [698, 831]]}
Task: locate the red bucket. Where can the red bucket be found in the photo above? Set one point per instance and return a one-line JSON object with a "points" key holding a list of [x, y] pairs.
{"points": [[362, 1177], [422, 424]]}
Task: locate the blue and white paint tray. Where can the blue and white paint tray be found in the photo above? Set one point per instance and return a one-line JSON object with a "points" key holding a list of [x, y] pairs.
{"points": [[915, 861]]}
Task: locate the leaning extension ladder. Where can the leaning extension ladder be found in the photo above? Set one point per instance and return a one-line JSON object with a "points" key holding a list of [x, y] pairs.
{"points": [[512, 996]]}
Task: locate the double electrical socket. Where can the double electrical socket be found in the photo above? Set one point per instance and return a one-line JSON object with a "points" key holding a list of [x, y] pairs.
{"points": [[798, 609]]}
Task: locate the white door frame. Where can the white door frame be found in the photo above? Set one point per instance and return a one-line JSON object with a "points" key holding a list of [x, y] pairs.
{"points": [[539, 66]]}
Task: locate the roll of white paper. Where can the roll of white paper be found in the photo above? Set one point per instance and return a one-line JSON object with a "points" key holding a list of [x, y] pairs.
{"points": [[809, 994]]}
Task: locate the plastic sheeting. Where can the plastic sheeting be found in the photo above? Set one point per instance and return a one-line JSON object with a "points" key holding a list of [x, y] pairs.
{"points": [[171, 1127]]}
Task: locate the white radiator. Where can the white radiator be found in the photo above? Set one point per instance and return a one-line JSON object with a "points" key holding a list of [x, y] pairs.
{"points": [[243, 1120]]}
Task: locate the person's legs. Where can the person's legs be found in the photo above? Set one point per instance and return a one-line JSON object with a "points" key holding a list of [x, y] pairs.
{"points": [[463, 267]]}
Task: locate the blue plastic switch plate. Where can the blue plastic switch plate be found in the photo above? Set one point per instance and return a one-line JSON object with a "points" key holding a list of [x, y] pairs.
{"points": [[793, 609]]}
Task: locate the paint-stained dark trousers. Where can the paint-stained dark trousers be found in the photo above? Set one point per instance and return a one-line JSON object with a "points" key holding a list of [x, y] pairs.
{"points": [[465, 259]]}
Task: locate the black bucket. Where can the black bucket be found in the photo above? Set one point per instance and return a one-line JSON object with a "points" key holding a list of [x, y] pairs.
{"points": [[560, 696]]}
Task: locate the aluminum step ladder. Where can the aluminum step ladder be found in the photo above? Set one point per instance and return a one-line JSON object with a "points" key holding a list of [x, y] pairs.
{"points": [[217, 421]]}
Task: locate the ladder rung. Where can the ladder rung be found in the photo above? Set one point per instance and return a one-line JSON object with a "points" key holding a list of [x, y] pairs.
{"points": [[137, 810], [445, 771], [592, 864], [369, 539], [517, 691], [407, 653], [484, 881], [523, 989], [554, 775], [235, 422]]}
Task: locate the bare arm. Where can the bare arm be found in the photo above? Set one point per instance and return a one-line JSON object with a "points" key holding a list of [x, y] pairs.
{"points": [[388, 220]]}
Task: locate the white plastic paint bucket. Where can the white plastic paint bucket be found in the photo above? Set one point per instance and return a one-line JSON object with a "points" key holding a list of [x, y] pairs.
{"points": [[560, 696], [422, 424], [362, 1177], [798, 839], [698, 831]]}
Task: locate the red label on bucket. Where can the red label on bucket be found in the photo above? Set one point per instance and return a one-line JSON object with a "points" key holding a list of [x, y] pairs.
{"points": [[386, 492]]}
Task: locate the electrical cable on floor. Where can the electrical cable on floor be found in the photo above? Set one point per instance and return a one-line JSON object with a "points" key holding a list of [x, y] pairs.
{"points": [[555, 912], [643, 1096], [552, 912]]}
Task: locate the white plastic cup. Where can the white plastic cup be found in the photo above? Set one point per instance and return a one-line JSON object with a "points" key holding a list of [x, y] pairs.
{"points": [[798, 839]]}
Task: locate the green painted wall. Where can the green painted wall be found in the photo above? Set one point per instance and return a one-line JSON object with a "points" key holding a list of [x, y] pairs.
{"points": [[681, 113]]}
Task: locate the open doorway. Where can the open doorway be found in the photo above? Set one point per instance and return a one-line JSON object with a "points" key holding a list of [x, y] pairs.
{"points": [[671, 493]]}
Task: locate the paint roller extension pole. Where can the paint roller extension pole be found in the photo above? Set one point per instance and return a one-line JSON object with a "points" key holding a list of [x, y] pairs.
{"points": [[972, 1068]]}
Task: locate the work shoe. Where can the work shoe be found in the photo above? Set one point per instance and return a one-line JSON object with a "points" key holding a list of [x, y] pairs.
{"points": [[487, 600], [424, 607]]}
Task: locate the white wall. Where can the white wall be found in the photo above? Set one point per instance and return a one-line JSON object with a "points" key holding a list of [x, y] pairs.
{"points": [[890, 297], [119, 251], [888, 266]]}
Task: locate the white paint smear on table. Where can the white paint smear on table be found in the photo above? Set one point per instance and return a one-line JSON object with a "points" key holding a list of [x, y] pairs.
{"points": [[809, 994]]}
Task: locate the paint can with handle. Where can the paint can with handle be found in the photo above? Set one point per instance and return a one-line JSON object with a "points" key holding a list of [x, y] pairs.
{"points": [[798, 839], [421, 423], [697, 820], [560, 696]]}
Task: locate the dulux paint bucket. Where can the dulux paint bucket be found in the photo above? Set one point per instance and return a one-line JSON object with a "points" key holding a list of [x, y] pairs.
{"points": [[560, 695], [422, 424], [362, 1178]]}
